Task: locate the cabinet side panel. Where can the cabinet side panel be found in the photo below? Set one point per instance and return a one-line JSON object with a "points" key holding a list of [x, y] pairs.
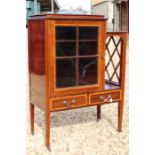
{"points": [[36, 41]]}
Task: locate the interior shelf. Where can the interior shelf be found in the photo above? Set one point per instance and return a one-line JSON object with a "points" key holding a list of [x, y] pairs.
{"points": [[62, 41], [83, 40], [72, 57], [111, 86]]}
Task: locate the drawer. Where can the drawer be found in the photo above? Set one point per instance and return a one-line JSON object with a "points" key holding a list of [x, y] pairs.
{"points": [[104, 97], [68, 102]]}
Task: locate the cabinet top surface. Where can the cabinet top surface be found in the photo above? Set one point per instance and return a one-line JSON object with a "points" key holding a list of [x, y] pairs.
{"points": [[67, 17]]}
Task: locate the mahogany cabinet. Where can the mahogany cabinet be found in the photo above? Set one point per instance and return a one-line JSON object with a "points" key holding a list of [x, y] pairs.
{"points": [[74, 63]]}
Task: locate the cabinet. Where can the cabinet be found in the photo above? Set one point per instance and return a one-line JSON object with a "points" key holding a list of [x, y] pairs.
{"points": [[74, 63]]}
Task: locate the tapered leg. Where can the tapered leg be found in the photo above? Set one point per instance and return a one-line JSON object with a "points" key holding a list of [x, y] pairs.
{"points": [[98, 112], [47, 128], [32, 117], [120, 115]]}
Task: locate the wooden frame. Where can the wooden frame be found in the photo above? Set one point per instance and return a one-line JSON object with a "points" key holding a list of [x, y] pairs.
{"points": [[42, 70], [56, 92]]}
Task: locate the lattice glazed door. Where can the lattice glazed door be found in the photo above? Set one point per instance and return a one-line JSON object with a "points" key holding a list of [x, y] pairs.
{"points": [[113, 62]]}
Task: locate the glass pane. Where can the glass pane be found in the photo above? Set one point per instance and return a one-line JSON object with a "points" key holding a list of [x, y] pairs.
{"points": [[65, 33], [65, 73], [113, 62], [88, 48], [87, 71], [89, 33], [66, 49]]}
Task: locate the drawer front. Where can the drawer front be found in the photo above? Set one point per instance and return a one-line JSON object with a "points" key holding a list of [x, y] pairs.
{"points": [[68, 102], [104, 97]]}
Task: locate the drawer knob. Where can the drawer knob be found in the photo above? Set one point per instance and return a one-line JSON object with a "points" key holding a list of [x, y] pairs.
{"points": [[110, 98], [64, 102], [74, 101], [67, 104], [102, 98]]}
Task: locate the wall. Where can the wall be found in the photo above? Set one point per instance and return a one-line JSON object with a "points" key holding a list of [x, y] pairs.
{"points": [[106, 9], [124, 17], [116, 17], [30, 8], [110, 16]]}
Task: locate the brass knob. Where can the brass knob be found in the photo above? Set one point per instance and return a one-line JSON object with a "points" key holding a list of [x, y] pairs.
{"points": [[110, 98], [102, 98], [74, 101], [65, 102]]}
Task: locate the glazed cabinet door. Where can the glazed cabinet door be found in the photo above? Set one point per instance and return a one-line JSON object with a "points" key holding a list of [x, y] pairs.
{"points": [[77, 58]]}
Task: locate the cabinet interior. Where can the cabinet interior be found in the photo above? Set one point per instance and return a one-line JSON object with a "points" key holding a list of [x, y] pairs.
{"points": [[77, 57]]}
